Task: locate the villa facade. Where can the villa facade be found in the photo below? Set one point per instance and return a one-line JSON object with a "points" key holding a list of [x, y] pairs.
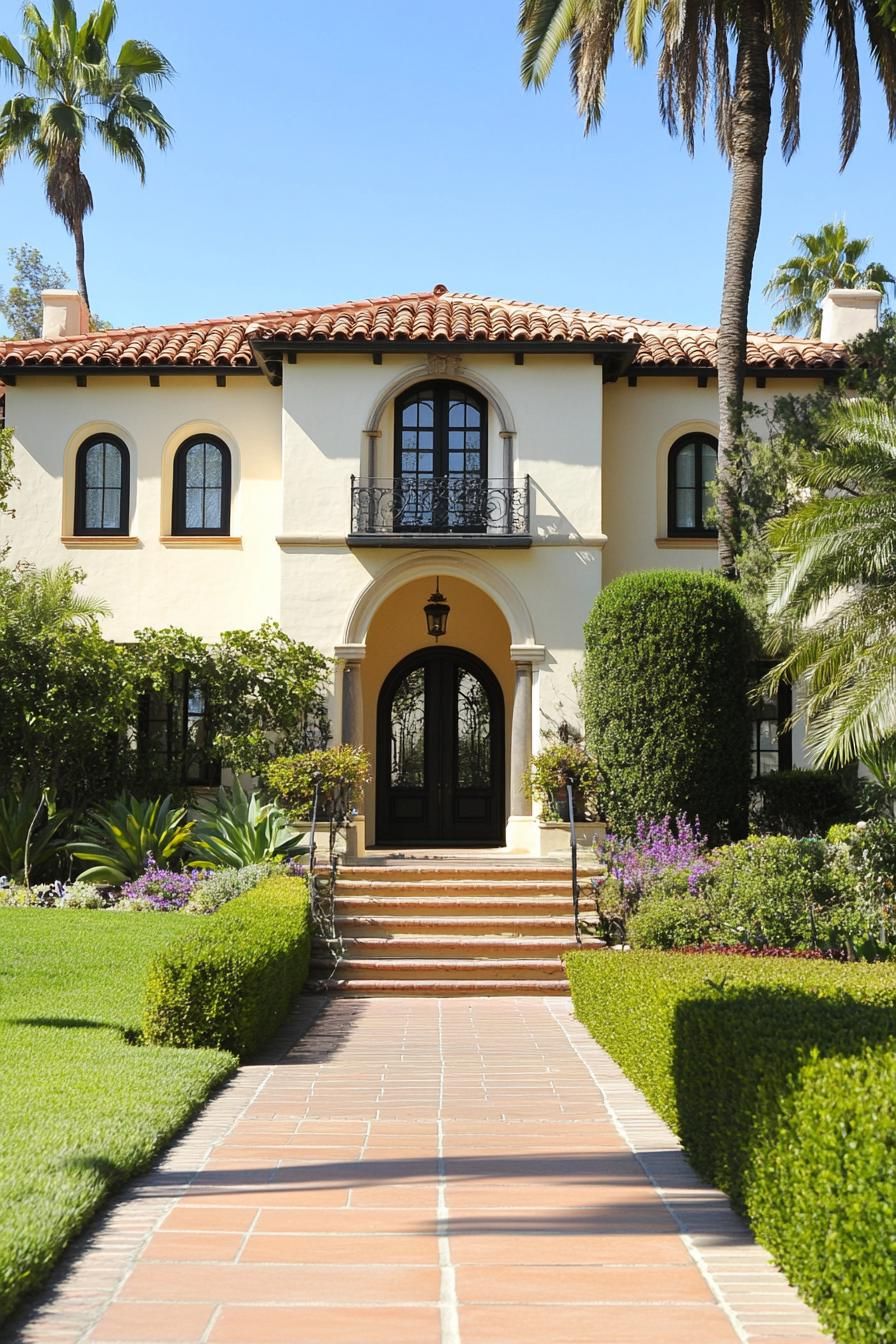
{"points": [[331, 468]]}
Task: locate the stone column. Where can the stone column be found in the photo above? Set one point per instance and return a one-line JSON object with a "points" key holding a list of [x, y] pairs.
{"points": [[520, 739], [352, 705], [352, 715]]}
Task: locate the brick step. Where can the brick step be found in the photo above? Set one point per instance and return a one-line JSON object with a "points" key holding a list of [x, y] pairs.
{"points": [[450, 968], [486, 907], [440, 948], [399, 922], [441, 988], [455, 886], [410, 872]]}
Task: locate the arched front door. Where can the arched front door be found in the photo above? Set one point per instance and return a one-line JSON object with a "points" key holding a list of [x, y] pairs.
{"points": [[440, 752]]}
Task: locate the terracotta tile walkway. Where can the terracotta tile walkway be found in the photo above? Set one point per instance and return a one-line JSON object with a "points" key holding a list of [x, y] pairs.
{"points": [[465, 1171]]}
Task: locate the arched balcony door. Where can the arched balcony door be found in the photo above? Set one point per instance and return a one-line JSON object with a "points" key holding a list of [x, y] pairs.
{"points": [[440, 752], [441, 458]]}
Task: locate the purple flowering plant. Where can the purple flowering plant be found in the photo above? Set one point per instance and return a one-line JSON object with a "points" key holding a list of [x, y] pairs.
{"points": [[161, 887], [672, 844]]}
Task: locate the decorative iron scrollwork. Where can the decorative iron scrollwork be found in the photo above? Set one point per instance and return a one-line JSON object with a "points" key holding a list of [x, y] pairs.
{"points": [[440, 504]]}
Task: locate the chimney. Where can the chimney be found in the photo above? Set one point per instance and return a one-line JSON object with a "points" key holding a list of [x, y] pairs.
{"points": [[65, 314], [847, 313]]}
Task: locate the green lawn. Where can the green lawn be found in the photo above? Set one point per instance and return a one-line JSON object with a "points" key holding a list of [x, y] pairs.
{"points": [[81, 1106]]}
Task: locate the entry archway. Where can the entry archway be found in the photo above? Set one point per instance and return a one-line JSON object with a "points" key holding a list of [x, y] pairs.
{"points": [[440, 752]]}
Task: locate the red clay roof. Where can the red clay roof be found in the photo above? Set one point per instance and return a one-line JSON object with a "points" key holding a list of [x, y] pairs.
{"points": [[438, 316]]}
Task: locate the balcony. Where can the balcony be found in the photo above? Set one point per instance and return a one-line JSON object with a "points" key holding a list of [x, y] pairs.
{"points": [[462, 511]]}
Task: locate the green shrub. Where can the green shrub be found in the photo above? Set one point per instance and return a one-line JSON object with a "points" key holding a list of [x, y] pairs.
{"points": [[233, 980], [19, 814], [222, 885], [776, 890], [803, 802], [341, 771], [553, 767], [115, 840], [665, 700], [780, 1078], [233, 831], [667, 921]]}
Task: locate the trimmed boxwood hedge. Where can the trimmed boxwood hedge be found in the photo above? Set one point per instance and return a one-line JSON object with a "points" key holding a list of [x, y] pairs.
{"points": [[664, 695], [232, 980], [780, 1078]]}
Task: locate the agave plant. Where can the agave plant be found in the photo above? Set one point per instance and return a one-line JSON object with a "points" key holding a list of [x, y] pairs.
{"points": [[19, 815], [234, 830], [116, 839]]}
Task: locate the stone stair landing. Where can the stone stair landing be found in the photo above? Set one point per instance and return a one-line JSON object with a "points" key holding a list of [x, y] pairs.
{"points": [[449, 927]]}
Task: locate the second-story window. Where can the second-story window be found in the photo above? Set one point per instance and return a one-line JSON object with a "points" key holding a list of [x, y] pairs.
{"points": [[201, 504], [102, 485], [441, 457], [692, 470]]}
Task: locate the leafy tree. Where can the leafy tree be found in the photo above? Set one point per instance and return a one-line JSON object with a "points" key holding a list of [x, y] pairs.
{"points": [[8, 479], [73, 88], [694, 69], [827, 260], [833, 595], [21, 304], [67, 695]]}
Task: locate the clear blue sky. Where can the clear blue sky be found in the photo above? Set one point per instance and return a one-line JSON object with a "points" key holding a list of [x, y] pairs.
{"points": [[326, 152]]}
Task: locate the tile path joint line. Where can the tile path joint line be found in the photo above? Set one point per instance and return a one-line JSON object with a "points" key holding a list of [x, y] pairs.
{"points": [[448, 1306]]}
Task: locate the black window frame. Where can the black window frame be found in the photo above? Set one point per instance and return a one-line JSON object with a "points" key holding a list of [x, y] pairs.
{"points": [[460, 510], [784, 709], [164, 737], [122, 528], [699, 438], [179, 526]]}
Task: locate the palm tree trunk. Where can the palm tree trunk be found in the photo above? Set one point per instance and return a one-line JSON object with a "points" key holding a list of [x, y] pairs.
{"points": [[78, 231], [750, 119]]}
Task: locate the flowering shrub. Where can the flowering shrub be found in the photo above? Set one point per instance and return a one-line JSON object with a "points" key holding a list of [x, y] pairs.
{"points": [[673, 844], [161, 888]]}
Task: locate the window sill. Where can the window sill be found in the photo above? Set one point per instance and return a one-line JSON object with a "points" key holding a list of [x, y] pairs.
{"points": [[688, 543], [203, 543], [114, 542]]}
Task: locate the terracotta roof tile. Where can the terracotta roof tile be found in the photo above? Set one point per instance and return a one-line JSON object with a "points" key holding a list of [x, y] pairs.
{"points": [[436, 315]]}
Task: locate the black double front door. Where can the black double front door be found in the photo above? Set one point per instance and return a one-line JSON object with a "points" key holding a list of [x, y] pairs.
{"points": [[440, 752]]}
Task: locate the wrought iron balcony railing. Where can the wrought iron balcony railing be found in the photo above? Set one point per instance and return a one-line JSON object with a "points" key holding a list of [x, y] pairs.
{"points": [[440, 510]]}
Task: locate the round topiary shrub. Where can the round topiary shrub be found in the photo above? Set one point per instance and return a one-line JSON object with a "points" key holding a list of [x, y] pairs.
{"points": [[665, 699]]}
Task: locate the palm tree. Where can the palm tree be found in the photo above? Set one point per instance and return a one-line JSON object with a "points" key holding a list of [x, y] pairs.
{"points": [[697, 41], [46, 599], [833, 596], [829, 259], [71, 88]]}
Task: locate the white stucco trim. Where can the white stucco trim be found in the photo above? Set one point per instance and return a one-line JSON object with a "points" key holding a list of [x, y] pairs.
{"points": [[169, 450], [662, 465], [86, 431], [422, 373], [457, 565]]}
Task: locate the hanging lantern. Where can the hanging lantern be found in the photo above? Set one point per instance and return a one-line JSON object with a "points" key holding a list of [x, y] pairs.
{"points": [[436, 611]]}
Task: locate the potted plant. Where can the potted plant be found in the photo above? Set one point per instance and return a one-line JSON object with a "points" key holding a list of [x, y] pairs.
{"points": [[552, 769]]}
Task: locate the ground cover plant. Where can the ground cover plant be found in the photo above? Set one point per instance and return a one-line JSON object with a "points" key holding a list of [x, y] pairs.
{"points": [[779, 1074], [81, 1107]]}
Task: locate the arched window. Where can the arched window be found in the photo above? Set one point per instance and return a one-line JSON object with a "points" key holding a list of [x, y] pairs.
{"points": [[692, 469], [201, 505], [102, 487], [441, 457]]}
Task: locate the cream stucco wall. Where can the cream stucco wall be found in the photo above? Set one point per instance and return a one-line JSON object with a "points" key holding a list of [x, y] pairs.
{"points": [[205, 588], [596, 456], [640, 425]]}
